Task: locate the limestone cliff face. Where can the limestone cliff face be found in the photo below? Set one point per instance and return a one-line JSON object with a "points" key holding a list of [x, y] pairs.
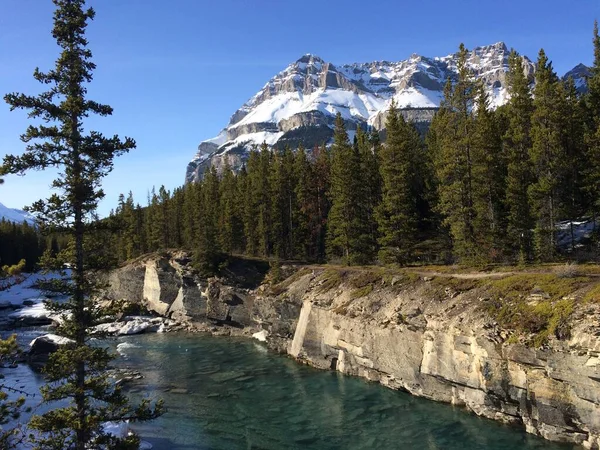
{"points": [[166, 285], [405, 333]]}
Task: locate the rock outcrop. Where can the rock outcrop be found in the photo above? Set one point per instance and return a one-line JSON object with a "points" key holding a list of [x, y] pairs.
{"points": [[406, 332], [167, 285]]}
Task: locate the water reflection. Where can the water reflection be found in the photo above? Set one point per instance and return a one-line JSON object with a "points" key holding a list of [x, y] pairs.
{"points": [[230, 394]]}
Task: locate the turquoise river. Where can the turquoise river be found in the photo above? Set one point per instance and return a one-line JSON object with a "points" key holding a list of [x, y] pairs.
{"points": [[226, 393]]}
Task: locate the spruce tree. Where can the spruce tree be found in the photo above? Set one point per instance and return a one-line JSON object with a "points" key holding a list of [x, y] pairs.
{"points": [[592, 134], [489, 175], [574, 201], [278, 204], [547, 157], [371, 178], [348, 231], [322, 168], [306, 213], [253, 197], [10, 410], [230, 221], [208, 254], [454, 162], [397, 212], [261, 196], [517, 142], [77, 374]]}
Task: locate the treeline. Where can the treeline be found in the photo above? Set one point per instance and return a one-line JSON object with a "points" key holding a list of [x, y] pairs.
{"points": [[22, 241], [484, 185]]}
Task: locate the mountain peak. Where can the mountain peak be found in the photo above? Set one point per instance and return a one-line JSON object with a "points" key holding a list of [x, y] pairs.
{"points": [[299, 104], [308, 58]]}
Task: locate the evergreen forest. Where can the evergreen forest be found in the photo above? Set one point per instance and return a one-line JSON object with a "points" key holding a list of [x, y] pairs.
{"points": [[481, 186]]}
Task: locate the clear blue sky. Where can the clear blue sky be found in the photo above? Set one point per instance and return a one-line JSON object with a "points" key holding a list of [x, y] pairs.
{"points": [[176, 70]]}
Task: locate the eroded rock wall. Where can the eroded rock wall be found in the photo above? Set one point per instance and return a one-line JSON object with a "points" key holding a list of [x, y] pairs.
{"points": [[449, 351], [444, 347], [166, 285]]}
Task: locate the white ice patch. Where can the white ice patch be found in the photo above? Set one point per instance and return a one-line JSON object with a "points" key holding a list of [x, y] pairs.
{"points": [[261, 335], [124, 346]]}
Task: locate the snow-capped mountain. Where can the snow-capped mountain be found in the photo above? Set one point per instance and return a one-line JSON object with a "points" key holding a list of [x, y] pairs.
{"points": [[579, 73], [15, 215], [299, 104]]}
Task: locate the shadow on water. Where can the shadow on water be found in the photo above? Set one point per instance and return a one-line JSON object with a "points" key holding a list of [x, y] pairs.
{"points": [[224, 393]]}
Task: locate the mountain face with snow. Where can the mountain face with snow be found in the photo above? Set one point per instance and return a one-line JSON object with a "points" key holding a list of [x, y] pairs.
{"points": [[299, 104], [15, 215], [580, 73]]}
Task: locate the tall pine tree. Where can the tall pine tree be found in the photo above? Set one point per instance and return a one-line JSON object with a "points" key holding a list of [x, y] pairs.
{"points": [[77, 374], [547, 157], [517, 142], [397, 213]]}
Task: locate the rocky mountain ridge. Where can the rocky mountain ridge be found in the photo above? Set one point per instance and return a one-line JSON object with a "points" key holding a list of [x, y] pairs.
{"points": [[299, 104], [15, 215]]}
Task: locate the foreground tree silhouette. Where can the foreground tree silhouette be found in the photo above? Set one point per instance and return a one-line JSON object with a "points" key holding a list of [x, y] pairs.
{"points": [[77, 375]]}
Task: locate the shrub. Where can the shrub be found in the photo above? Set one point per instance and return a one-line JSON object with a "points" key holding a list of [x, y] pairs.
{"points": [[331, 279], [361, 292], [568, 270]]}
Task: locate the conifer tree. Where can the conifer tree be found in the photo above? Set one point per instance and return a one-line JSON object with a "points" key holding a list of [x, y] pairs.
{"points": [[397, 212], [517, 142], [592, 134], [454, 161], [174, 212], [322, 168], [489, 175], [190, 224], [574, 201], [278, 204], [369, 170], [253, 197], [9, 409], [230, 220], [208, 254], [547, 157], [306, 215], [261, 196], [77, 375], [348, 233]]}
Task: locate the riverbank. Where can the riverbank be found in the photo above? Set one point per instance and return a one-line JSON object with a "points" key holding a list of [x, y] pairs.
{"points": [[520, 348]]}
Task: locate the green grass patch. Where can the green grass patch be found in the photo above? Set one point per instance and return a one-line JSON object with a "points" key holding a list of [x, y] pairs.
{"points": [[361, 292], [516, 286], [593, 295], [364, 278], [539, 318], [330, 279], [456, 284]]}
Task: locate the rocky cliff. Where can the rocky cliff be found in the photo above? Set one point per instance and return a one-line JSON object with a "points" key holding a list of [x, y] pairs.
{"points": [[523, 349]]}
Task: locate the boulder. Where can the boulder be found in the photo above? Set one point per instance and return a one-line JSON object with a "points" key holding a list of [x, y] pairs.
{"points": [[42, 346]]}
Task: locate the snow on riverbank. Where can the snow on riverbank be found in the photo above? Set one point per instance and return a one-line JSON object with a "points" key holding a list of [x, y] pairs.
{"points": [[28, 289]]}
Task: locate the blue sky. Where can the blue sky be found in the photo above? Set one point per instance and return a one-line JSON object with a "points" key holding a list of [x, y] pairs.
{"points": [[176, 70]]}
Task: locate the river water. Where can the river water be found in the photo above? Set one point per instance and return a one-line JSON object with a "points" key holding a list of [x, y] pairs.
{"points": [[226, 393]]}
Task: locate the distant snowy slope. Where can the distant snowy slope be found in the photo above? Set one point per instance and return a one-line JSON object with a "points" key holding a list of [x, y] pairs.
{"points": [[15, 215], [299, 104]]}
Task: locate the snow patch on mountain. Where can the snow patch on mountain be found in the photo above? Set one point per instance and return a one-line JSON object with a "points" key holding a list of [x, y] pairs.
{"points": [[308, 93], [15, 215]]}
